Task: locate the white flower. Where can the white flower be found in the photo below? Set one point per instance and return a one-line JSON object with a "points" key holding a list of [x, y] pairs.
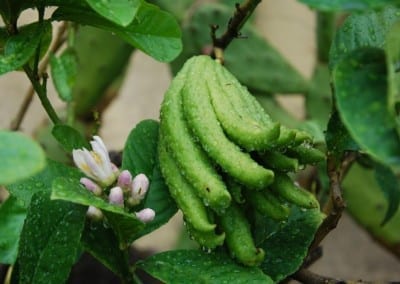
{"points": [[139, 188], [91, 186], [94, 213], [96, 164]]}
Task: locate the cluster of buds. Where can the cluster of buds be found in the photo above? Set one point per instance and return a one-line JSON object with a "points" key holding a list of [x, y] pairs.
{"points": [[101, 175]]}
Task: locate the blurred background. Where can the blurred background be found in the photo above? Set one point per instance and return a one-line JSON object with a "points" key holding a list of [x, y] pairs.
{"points": [[348, 252]]}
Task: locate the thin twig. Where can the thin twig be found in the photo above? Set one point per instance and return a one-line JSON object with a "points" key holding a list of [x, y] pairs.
{"points": [[56, 45], [337, 204], [242, 13]]}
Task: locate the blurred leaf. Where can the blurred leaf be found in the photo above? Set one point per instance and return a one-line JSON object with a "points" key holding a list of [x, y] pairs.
{"points": [[69, 137], [42, 181], [20, 157], [153, 31], [318, 99], [270, 72], [97, 79], [121, 12], [19, 48], [193, 266], [178, 8], [12, 216], [125, 224], [102, 243], [338, 138], [347, 5], [63, 72], [140, 156], [390, 186], [368, 206], [286, 243], [362, 30], [361, 93], [393, 64], [50, 240]]}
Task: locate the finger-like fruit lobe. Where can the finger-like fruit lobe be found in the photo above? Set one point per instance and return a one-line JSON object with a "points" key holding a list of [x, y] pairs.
{"points": [[223, 159]]}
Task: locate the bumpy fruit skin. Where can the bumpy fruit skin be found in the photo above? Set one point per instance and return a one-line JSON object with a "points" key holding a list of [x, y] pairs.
{"points": [[183, 192], [285, 187], [204, 124], [267, 204], [238, 237], [236, 121], [220, 154], [193, 162]]}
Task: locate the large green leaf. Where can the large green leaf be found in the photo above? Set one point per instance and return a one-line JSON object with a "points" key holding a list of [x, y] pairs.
{"points": [[192, 266], [20, 157], [50, 240], [367, 204], [269, 72], [12, 216], [362, 30], [140, 156], [286, 244], [390, 187], [361, 88], [102, 243], [153, 31], [42, 181], [19, 48], [121, 12], [125, 224], [346, 5]]}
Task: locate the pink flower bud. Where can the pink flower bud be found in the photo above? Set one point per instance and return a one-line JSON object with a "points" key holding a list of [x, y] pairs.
{"points": [[116, 196], [140, 185], [94, 213], [146, 215], [125, 179], [91, 186]]}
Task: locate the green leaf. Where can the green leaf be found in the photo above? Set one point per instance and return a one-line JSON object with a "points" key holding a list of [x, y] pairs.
{"points": [[69, 137], [347, 5], [361, 94], [140, 156], [178, 8], [368, 206], [390, 187], [392, 49], [362, 30], [42, 181], [125, 224], [318, 99], [12, 216], [121, 12], [192, 266], [286, 244], [50, 240], [19, 48], [102, 243], [63, 72], [270, 72], [338, 139], [153, 31], [20, 157], [98, 78]]}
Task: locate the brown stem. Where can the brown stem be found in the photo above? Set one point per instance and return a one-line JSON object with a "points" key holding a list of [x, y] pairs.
{"points": [[242, 13], [56, 45], [336, 205]]}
